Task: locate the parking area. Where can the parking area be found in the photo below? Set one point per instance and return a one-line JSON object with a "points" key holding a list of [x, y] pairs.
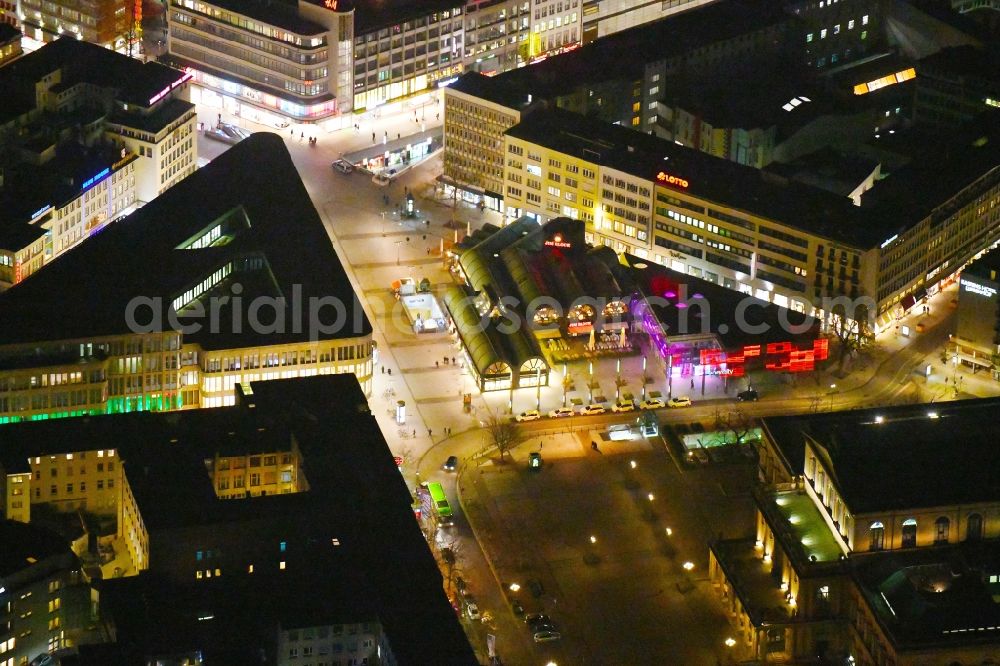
{"points": [[614, 543]]}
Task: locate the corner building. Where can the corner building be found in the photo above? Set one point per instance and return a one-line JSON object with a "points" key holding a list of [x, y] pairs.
{"points": [[315, 59], [207, 293], [756, 232]]}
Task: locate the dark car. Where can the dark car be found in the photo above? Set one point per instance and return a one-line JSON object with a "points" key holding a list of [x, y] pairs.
{"points": [[750, 395], [451, 464], [448, 555], [536, 588], [517, 608], [536, 620]]}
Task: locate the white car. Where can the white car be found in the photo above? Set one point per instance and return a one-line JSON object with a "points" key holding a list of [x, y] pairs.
{"points": [[472, 610], [652, 403], [623, 406], [562, 411], [530, 415], [591, 410], [679, 401]]}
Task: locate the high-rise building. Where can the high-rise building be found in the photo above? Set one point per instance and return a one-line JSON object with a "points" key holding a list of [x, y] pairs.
{"points": [[103, 22]]}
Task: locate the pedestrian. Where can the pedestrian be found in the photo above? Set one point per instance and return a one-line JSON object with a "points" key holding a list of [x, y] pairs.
{"points": [[540, 445], [692, 382], [430, 432], [397, 135], [383, 369], [373, 137], [437, 364], [414, 432], [439, 115], [453, 360], [390, 371], [291, 132]]}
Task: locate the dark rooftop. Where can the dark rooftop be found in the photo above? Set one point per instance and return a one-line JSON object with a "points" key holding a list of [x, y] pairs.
{"points": [[624, 55], [827, 169], [279, 13], [937, 455], [371, 15], [253, 191], [355, 493], [666, 289], [81, 62], [965, 62], [25, 545], [933, 597], [986, 267], [491, 88], [715, 179], [8, 33]]}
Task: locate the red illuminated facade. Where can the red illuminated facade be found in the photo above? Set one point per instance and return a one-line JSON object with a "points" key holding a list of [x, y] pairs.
{"points": [[776, 356]]}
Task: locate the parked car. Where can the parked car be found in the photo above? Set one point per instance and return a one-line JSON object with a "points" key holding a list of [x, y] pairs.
{"points": [[679, 401], [537, 590], [546, 636], [472, 610], [535, 460], [381, 180], [652, 403], [562, 411], [451, 464], [530, 415], [623, 405], [750, 395], [592, 410], [536, 620], [343, 166], [461, 586], [517, 608]]}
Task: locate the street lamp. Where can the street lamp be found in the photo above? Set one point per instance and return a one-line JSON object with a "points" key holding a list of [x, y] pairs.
{"points": [[670, 532], [633, 464], [651, 497], [514, 587], [688, 566], [593, 539], [730, 642]]}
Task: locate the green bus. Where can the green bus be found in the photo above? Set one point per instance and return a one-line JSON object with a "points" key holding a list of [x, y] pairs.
{"points": [[441, 507]]}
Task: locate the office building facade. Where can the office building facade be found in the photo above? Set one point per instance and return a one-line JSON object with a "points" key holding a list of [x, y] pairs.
{"points": [[103, 22], [140, 141], [310, 62], [769, 237], [139, 352]]}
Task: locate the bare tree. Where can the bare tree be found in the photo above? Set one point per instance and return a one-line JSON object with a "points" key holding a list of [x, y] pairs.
{"points": [[853, 330], [448, 556], [567, 384], [735, 422], [503, 433]]}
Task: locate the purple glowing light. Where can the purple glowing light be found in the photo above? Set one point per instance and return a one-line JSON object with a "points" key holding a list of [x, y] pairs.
{"points": [[669, 294]]}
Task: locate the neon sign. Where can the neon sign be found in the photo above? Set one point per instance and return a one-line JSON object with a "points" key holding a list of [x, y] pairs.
{"points": [[664, 177], [330, 4], [95, 179], [557, 241], [778, 357], [41, 211]]}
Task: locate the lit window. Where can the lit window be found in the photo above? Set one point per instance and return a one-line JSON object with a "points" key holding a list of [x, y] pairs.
{"points": [[864, 20], [281, 565], [283, 546], [822, 33]]}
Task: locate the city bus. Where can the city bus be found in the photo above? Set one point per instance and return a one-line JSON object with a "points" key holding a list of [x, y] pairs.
{"points": [[440, 504]]}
